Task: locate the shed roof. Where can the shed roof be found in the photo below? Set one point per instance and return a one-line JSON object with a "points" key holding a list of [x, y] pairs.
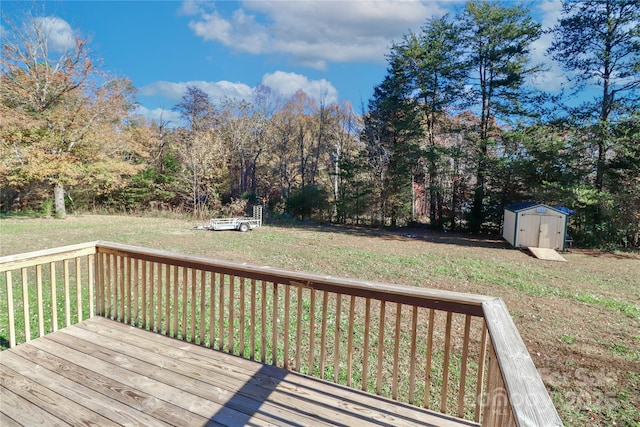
{"points": [[565, 210], [517, 207]]}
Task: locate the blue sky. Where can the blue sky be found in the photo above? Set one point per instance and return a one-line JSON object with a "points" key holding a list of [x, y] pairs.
{"points": [[330, 49]]}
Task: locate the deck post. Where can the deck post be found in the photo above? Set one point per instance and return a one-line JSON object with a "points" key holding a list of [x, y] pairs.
{"points": [[497, 409]]}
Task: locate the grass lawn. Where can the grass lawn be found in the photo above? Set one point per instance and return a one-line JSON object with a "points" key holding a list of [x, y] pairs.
{"points": [[580, 320]]}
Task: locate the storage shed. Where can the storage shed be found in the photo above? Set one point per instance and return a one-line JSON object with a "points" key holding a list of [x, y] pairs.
{"points": [[530, 224]]}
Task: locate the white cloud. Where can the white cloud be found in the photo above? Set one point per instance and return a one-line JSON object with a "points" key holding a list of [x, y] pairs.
{"points": [[216, 90], [58, 33], [314, 32], [192, 7], [160, 115], [282, 83], [287, 84], [551, 11], [555, 78]]}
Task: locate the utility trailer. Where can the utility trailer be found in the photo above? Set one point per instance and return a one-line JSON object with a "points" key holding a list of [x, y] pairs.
{"points": [[240, 223]]}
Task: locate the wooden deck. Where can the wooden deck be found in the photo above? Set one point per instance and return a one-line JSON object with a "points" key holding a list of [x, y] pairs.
{"points": [[105, 373]]}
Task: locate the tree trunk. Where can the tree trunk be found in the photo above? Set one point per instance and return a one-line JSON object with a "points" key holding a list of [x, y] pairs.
{"points": [[440, 198], [58, 197], [433, 222], [336, 185], [477, 209]]}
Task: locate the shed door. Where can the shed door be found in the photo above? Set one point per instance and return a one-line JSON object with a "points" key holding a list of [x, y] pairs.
{"points": [[551, 228], [540, 231], [528, 230]]}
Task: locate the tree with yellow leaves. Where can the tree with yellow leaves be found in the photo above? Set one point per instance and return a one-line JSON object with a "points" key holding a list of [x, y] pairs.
{"points": [[63, 121]]}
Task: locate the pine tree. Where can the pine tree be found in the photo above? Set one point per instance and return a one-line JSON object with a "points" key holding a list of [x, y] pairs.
{"points": [[498, 42]]}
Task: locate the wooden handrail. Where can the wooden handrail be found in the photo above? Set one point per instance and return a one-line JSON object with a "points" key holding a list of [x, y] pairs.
{"points": [[42, 269], [456, 302], [456, 353], [28, 259]]}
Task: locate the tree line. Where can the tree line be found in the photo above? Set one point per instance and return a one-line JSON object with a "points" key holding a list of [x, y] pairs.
{"points": [[453, 134]]}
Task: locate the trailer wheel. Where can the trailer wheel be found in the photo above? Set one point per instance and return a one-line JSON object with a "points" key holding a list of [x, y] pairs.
{"points": [[244, 227]]}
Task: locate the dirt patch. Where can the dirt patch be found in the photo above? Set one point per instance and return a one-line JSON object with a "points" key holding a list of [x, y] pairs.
{"points": [[602, 254]]}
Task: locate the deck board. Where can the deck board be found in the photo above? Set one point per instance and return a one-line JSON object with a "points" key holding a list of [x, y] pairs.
{"points": [[108, 373], [15, 410]]}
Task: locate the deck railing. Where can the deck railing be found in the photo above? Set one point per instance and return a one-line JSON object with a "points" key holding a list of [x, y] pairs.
{"points": [[454, 353]]}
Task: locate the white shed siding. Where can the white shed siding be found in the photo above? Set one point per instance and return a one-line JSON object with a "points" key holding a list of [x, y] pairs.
{"points": [[509, 227]]}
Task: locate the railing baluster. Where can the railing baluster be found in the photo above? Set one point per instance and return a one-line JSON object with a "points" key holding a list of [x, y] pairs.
{"points": [[212, 310], [380, 347], [167, 299], [365, 356], [287, 321], [274, 326], [221, 313], [157, 299], [99, 285], [117, 279], [107, 286], [298, 329], [40, 301], [230, 329], [161, 285], [203, 287], [252, 338], [144, 285], [412, 354], [78, 290], [25, 304], [481, 366], [427, 379], [12, 322], [463, 367], [54, 293], [90, 285], [242, 318], [67, 299], [194, 304], [129, 290], [263, 335], [185, 285], [176, 301], [121, 281], [136, 291], [151, 302], [352, 306], [336, 344], [323, 338], [396, 353], [312, 330], [445, 365]]}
